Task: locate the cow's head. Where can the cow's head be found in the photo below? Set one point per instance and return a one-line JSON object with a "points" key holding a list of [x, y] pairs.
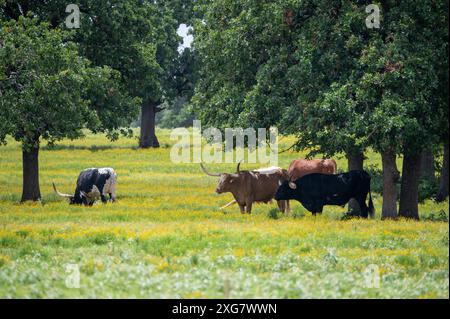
{"points": [[286, 191], [227, 182], [73, 200]]}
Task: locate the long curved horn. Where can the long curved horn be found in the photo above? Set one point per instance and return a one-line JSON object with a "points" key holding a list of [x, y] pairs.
{"points": [[208, 173], [238, 170], [84, 194], [229, 204], [61, 194], [291, 184]]}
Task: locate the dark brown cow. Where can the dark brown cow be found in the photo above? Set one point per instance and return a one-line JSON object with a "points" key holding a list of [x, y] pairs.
{"points": [[250, 187], [302, 167]]}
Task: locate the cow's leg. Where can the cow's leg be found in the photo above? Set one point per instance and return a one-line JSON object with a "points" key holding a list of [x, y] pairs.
{"points": [[248, 207], [363, 207], [112, 198], [282, 205], [353, 212], [317, 209], [85, 201], [104, 200], [242, 208], [288, 207]]}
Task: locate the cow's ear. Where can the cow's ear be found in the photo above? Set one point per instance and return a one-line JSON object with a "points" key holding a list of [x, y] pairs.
{"points": [[292, 185]]}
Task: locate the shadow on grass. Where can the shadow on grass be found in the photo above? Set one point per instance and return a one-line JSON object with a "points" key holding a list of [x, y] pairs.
{"points": [[92, 148]]}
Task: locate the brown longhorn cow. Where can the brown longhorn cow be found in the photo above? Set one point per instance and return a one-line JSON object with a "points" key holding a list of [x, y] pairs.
{"points": [[302, 167], [248, 187]]}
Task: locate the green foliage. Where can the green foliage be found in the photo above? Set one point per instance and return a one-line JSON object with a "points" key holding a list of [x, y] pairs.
{"points": [[177, 110], [48, 91], [315, 70], [440, 216], [274, 214], [182, 10], [299, 212], [176, 114], [428, 189], [137, 38]]}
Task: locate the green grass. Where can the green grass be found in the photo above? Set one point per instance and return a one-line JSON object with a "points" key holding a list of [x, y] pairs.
{"points": [[166, 237]]}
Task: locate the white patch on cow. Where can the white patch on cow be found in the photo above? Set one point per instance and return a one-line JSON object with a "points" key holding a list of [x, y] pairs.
{"points": [[106, 170], [94, 193], [108, 186], [111, 182], [254, 175], [269, 170]]}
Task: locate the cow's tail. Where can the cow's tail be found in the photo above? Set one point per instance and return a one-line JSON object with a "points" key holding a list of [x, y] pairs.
{"points": [[371, 206]]}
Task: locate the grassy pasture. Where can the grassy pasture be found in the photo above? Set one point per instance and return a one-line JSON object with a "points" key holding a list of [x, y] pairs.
{"points": [[166, 237]]}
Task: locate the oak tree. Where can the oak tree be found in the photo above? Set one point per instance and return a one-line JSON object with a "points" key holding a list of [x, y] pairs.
{"points": [[49, 92]]}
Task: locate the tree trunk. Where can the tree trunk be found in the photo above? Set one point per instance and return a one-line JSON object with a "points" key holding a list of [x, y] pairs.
{"points": [[30, 165], [427, 164], [355, 162], [148, 115], [443, 185], [391, 176], [409, 194]]}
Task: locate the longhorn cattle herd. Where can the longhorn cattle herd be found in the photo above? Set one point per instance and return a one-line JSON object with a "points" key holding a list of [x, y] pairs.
{"points": [[314, 183]]}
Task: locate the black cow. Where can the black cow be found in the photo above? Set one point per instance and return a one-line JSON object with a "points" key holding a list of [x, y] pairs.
{"points": [[317, 190], [93, 183]]}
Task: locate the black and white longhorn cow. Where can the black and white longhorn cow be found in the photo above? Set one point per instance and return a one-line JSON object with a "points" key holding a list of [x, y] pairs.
{"points": [[93, 183]]}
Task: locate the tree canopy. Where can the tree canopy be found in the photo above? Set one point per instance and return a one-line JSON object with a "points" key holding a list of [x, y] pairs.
{"points": [[315, 69], [48, 91]]}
